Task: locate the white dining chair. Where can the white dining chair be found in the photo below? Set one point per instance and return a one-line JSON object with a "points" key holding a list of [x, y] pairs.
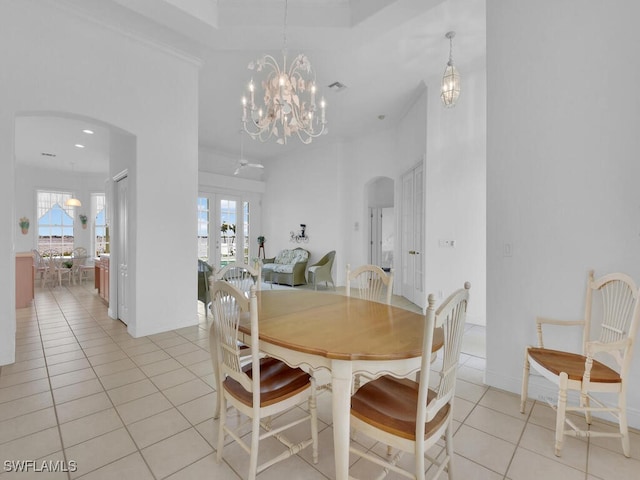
{"points": [[370, 282], [262, 390], [240, 275], [408, 416], [617, 325]]}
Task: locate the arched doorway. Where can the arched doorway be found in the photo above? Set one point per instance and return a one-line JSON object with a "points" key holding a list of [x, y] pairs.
{"points": [[60, 153]]}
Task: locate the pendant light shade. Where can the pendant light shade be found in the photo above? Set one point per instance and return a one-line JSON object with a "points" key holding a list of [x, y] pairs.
{"points": [[450, 79]]}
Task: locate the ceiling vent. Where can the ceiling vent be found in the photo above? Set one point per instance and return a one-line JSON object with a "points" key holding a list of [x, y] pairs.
{"points": [[47, 154], [337, 87]]}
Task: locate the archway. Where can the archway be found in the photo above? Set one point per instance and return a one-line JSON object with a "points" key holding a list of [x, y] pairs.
{"points": [[64, 152]]}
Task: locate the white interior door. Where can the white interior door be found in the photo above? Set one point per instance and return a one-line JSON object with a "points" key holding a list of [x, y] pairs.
{"points": [[122, 258], [412, 232]]}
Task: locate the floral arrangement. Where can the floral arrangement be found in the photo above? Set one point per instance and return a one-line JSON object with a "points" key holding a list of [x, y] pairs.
{"points": [[23, 222], [83, 218], [261, 240]]}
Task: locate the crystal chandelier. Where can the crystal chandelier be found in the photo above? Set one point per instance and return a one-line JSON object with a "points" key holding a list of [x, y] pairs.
{"points": [[289, 100], [451, 78]]}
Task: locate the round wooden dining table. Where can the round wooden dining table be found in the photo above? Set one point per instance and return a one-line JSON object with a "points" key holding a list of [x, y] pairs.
{"points": [[344, 335]]}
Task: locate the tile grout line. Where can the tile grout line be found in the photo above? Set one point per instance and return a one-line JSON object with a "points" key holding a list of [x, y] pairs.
{"points": [[55, 409]]}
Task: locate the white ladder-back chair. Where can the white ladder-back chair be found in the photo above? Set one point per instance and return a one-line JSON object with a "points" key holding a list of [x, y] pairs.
{"points": [[407, 415], [240, 275], [243, 277], [370, 282], [50, 274], [581, 372], [61, 269], [263, 388]]}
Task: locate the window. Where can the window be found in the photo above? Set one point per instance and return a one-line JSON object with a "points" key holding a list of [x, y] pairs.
{"points": [[98, 210], [55, 222]]}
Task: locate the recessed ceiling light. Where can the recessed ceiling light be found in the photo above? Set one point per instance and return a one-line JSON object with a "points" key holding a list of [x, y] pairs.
{"points": [[78, 145], [87, 131]]}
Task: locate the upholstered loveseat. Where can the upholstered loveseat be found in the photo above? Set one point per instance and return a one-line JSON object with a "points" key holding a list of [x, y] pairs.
{"points": [[287, 267]]}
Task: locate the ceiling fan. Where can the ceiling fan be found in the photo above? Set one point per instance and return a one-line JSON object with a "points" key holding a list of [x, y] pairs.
{"points": [[242, 163], [245, 163]]}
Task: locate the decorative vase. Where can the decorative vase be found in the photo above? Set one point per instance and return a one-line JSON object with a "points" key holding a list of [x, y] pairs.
{"points": [[25, 230], [84, 226]]}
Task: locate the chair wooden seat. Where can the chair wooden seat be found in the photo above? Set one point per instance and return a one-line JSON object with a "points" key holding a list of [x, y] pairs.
{"points": [[573, 364], [391, 404], [278, 381]]}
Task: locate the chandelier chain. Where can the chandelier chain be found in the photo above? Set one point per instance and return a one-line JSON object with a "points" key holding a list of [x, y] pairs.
{"points": [[284, 30]]}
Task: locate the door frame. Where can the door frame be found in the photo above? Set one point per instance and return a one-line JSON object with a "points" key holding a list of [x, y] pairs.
{"points": [[413, 288], [118, 249]]}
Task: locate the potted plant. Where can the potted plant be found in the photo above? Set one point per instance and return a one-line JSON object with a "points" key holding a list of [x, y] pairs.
{"points": [[261, 241], [83, 220], [24, 225]]}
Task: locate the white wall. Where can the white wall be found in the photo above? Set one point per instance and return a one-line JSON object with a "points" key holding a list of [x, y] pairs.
{"points": [[61, 63], [305, 189], [456, 192], [327, 188], [562, 170]]}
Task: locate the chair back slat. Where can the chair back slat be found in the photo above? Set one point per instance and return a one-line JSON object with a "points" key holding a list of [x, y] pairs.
{"points": [[618, 302], [620, 313], [227, 306], [240, 275], [451, 317], [370, 282]]}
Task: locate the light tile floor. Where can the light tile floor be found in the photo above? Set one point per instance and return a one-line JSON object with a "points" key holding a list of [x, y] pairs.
{"points": [[82, 390]]}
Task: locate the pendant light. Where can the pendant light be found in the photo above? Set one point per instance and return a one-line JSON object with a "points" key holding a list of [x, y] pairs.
{"points": [[451, 78]]}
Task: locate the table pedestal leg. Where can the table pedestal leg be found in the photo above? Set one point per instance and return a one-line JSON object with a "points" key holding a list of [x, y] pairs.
{"points": [[341, 397]]}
